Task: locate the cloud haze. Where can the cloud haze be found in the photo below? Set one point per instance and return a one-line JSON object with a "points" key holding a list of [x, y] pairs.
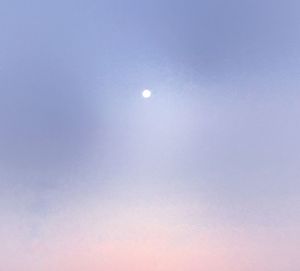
{"points": [[204, 175]]}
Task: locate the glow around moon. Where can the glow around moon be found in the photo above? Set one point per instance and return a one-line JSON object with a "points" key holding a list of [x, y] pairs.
{"points": [[146, 93]]}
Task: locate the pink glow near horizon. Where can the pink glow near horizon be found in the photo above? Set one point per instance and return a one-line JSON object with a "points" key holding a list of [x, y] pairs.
{"points": [[138, 240]]}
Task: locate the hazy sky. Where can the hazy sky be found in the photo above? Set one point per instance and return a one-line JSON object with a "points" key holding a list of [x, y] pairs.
{"points": [[204, 175]]}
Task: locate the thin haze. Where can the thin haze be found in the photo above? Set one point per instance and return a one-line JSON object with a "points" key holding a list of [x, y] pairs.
{"points": [[204, 175]]}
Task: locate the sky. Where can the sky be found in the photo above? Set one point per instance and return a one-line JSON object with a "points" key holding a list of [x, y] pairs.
{"points": [[204, 175]]}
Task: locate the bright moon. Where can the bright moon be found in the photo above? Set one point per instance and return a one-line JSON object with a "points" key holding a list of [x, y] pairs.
{"points": [[146, 93]]}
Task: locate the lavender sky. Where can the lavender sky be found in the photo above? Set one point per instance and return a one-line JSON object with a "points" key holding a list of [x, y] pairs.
{"points": [[204, 175]]}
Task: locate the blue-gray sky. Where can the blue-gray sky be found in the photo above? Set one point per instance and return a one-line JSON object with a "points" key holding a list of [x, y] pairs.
{"points": [[215, 150]]}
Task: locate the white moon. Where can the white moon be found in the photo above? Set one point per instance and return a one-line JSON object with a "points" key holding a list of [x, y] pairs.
{"points": [[146, 93]]}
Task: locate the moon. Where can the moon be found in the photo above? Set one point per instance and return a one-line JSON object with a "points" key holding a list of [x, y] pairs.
{"points": [[146, 93]]}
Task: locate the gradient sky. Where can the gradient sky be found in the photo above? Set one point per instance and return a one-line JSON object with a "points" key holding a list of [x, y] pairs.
{"points": [[204, 175]]}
